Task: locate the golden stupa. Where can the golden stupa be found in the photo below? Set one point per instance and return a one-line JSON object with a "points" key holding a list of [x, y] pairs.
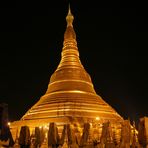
{"points": [[70, 96]]}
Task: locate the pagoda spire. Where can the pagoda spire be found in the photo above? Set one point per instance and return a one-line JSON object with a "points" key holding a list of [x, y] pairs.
{"points": [[70, 53], [69, 35], [69, 17]]}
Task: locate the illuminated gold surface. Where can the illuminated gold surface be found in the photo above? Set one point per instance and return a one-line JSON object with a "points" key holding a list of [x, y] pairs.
{"points": [[70, 94]]}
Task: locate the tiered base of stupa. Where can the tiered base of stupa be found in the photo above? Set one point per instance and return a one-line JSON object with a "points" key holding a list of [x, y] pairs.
{"points": [[77, 123], [67, 133]]}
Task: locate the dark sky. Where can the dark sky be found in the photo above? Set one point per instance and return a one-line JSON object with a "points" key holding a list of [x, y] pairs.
{"points": [[112, 40]]}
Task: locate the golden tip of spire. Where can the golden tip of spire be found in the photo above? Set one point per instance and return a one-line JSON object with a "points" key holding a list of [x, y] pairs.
{"points": [[69, 17], [69, 10]]}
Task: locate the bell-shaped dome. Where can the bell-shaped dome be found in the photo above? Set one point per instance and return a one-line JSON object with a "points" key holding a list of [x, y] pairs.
{"points": [[70, 91]]}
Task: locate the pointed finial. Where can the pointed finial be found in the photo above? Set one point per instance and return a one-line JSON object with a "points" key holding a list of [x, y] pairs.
{"points": [[69, 17], [69, 10]]}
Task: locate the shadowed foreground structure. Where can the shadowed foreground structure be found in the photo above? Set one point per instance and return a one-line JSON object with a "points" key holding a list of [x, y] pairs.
{"points": [[91, 136], [5, 134]]}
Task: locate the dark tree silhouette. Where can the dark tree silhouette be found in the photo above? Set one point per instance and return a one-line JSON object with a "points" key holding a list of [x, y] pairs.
{"points": [[24, 138]]}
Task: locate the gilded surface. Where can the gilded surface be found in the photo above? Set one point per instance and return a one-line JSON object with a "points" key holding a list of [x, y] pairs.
{"points": [[70, 92]]}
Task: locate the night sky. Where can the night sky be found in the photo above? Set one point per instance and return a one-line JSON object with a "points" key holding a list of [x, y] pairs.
{"points": [[112, 40]]}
